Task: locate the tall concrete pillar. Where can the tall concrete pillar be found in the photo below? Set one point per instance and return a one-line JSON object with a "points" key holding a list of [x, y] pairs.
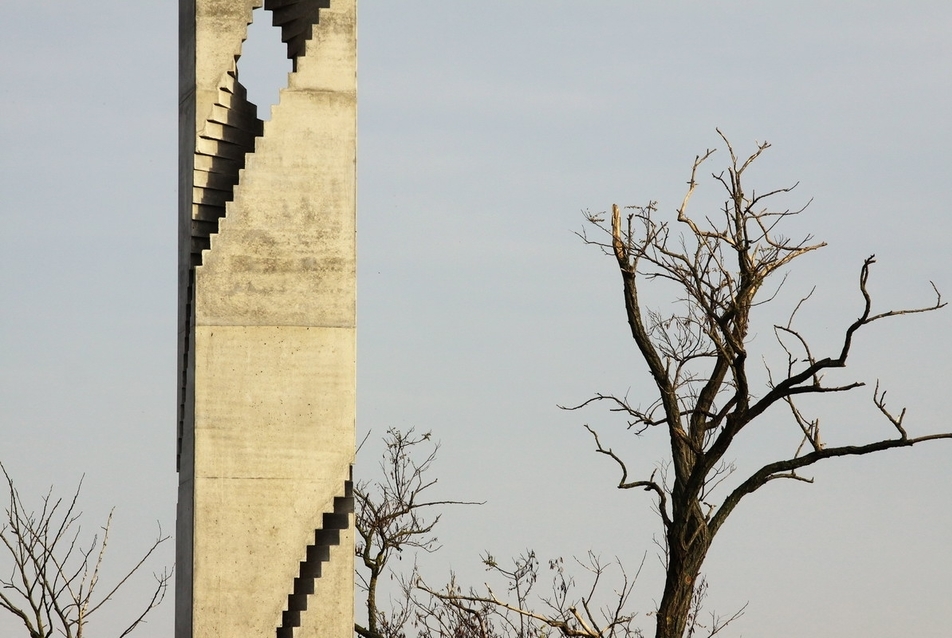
{"points": [[267, 327]]}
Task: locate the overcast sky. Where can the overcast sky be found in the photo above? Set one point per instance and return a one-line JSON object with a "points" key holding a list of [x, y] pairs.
{"points": [[485, 128]]}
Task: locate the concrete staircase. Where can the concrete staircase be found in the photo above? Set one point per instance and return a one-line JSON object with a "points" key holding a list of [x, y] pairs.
{"points": [[296, 19], [317, 554], [231, 129], [227, 138], [221, 148]]}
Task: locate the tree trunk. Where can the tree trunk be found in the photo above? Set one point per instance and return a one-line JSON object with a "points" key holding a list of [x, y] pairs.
{"points": [[684, 566]]}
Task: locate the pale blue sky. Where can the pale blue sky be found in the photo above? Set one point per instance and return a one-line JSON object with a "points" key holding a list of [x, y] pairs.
{"points": [[485, 127]]}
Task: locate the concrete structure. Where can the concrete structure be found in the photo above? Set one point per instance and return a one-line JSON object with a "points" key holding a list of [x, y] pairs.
{"points": [[267, 327]]}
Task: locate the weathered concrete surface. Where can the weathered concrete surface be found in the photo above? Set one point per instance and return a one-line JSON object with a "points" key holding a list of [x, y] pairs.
{"points": [[267, 326]]}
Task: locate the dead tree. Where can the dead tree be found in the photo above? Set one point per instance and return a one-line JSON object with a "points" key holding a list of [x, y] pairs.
{"points": [[53, 582], [391, 516], [566, 609], [716, 272]]}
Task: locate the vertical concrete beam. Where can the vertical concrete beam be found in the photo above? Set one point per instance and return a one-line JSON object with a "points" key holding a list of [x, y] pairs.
{"points": [[267, 327]]}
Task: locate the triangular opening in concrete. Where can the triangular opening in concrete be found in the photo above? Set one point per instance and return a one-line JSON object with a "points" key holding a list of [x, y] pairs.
{"points": [[264, 65]]}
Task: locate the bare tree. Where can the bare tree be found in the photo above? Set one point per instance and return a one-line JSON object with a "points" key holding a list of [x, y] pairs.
{"points": [[568, 609], [392, 514], [715, 274], [711, 277], [54, 576]]}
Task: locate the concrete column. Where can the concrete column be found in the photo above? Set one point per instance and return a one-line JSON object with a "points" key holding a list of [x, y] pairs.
{"points": [[267, 327]]}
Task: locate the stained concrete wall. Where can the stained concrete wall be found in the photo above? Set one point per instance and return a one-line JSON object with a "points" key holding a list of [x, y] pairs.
{"points": [[267, 327]]}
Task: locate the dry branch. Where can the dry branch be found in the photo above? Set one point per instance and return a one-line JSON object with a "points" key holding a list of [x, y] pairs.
{"points": [[697, 356], [53, 587]]}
